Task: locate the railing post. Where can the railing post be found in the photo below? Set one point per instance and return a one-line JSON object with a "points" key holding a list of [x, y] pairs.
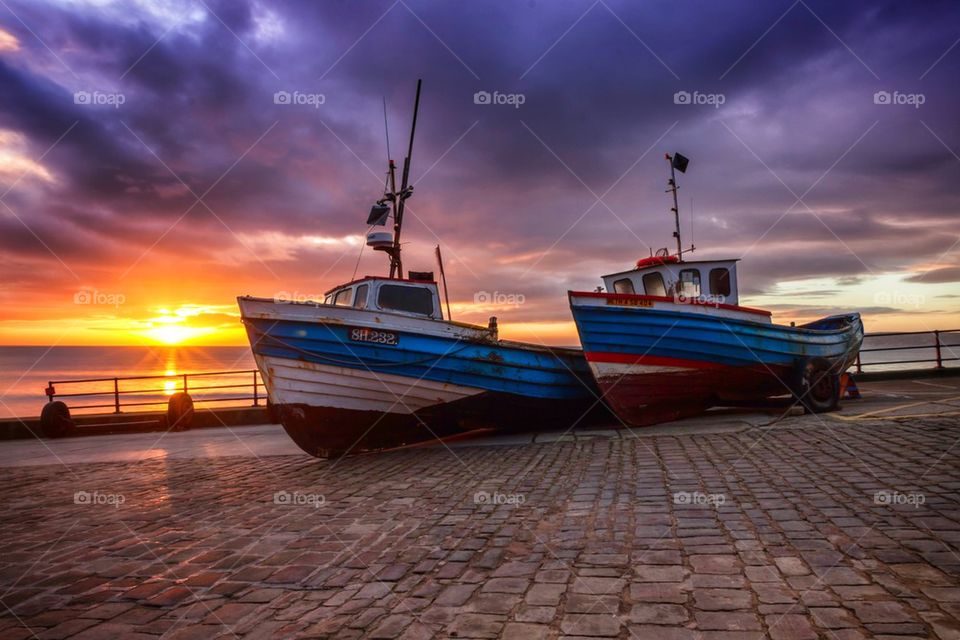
{"points": [[256, 398], [859, 364], [184, 383], [936, 337], [50, 391], [116, 395]]}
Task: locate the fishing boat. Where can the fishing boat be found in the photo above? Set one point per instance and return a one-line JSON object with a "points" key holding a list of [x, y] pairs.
{"points": [[669, 339], [375, 364]]}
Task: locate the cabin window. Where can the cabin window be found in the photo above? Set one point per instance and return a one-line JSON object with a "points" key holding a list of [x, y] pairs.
{"points": [[720, 282], [409, 299], [342, 298], [360, 300], [690, 283], [328, 299], [653, 284], [623, 285]]}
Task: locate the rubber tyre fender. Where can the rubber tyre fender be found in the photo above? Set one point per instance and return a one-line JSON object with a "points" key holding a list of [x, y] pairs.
{"points": [[818, 388]]}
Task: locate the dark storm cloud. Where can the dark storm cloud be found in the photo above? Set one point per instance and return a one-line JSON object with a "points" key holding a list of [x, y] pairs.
{"points": [[199, 89], [945, 274]]}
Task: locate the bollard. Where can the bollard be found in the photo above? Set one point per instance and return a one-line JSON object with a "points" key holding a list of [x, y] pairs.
{"points": [[179, 411], [55, 421], [936, 338]]}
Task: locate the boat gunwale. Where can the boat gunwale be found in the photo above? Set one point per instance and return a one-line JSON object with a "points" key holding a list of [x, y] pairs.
{"points": [[637, 296], [782, 327], [558, 351]]}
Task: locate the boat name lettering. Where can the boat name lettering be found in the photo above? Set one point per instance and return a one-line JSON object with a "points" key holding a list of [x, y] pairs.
{"points": [[630, 302]]}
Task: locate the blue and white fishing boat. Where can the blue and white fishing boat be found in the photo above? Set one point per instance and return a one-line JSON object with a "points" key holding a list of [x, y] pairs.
{"points": [[375, 364], [669, 339]]}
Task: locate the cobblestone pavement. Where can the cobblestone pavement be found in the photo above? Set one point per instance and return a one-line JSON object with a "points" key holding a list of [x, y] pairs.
{"points": [[811, 528]]}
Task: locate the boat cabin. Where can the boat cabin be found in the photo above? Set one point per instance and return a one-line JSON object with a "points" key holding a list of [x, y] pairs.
{"points": [[418, 296], [713, 281]]}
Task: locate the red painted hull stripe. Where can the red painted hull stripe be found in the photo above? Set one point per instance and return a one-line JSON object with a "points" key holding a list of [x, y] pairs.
{"points": [[633, 296], [657, 361]]}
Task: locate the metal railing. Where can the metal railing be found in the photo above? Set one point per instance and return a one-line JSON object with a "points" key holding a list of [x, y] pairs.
{"points": [[935, 343], [942, 352], [182, 383]]}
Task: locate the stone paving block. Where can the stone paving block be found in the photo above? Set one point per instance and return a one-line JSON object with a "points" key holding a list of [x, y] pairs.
{"points": [[499, 603], [525, 631], [476, 625], [771, 593], [658, 592], [722, 599], [664, 633], [586, 603], [527, 613], [591, 625], [506, 585], [658, 573], [888, 611], [391, 626], [715, 563], [790, 627], [659, 614], [727, 620], [598, 586], [545, 594]]}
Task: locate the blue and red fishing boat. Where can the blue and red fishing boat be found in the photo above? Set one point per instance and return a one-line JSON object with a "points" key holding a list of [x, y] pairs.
{"points": [[669, 339], [375, 364]]}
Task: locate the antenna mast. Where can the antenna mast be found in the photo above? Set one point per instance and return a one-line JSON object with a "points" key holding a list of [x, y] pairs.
{"points": [[677, 161], [396, 264]]}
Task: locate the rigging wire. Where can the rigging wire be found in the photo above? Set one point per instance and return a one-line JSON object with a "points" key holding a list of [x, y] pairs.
{"points": [[360, 255]]}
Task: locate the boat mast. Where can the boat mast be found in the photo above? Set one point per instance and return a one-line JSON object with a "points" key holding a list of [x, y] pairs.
{"points": [[677, 161], [396, 264], [676, 207]]}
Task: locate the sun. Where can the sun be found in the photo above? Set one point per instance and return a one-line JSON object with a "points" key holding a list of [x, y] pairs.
{"points": [[174, 328], [169, 334]]}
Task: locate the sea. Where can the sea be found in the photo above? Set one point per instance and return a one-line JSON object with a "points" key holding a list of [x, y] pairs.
{"points": [[227, 380], [25, 373]]}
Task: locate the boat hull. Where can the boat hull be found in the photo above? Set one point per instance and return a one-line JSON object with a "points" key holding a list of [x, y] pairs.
{"points": [[336, 395], [656, 360]]}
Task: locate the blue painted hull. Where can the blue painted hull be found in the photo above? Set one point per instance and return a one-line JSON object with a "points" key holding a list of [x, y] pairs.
{"points": [[503, 367], [699, 338]]}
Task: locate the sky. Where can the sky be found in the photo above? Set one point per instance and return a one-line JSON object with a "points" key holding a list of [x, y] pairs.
{"points": [[157, 159]]}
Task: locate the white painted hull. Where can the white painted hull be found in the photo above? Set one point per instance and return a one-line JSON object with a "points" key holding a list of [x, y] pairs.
{"points": [[295, 382]]}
